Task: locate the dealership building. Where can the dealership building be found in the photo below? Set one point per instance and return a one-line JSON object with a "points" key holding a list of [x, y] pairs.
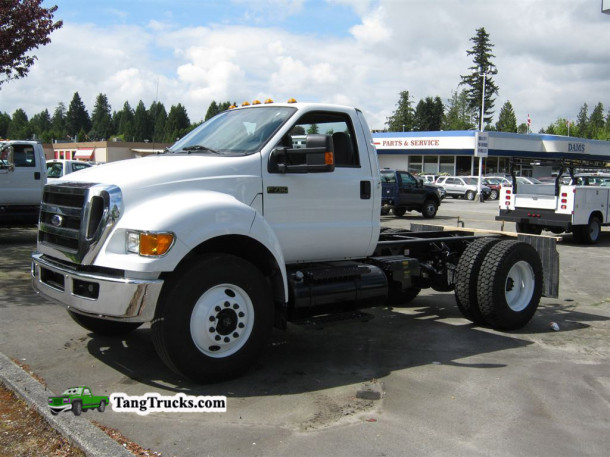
{"points": [[456, 152]]}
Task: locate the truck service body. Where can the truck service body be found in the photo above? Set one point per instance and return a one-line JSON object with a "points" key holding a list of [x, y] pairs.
{"points": [[236, 229], [559, 208]]}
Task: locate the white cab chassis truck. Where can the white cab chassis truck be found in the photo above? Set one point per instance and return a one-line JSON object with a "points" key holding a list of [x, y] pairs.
{"points": [[559, 208], [239, 227], [22, 178]]}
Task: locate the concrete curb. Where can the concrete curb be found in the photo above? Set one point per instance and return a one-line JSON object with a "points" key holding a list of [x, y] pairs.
{"points": [[92, 440]]}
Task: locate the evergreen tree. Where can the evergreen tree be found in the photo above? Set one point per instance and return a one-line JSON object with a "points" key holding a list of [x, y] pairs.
{"points": [[582, 122], [5, 120], [402, 119], [158, 116], [597, 123], [507, 121], [212, 110], [142, 123], [101, 120], [428, 115], [481, 52], [125, 127], [313, 128], [177, 124], [77, 117], [19, 128], [459, 114], [58, 121], [41, 123]]}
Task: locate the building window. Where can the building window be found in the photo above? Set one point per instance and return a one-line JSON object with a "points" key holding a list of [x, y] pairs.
{"points": [[431, 165], [415, 164], [463, 165], [447, 165]]}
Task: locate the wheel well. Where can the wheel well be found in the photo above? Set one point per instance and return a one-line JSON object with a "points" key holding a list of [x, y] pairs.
{"points": [[250, 250], [597, 214]]}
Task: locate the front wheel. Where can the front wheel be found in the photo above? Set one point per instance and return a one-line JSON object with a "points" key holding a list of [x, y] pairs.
{"points": [[494, 194], [429, 209], [470, 195], [213, 319], [509, 285], [102, 326], [102, 407], [77, 408]]}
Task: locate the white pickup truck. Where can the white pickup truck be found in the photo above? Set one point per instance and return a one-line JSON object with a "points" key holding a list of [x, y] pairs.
{"points": [[22, 178], [238, 228], [582, 210]]}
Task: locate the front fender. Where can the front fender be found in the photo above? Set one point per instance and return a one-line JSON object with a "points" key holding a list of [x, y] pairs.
{"points": [[193, 217]]}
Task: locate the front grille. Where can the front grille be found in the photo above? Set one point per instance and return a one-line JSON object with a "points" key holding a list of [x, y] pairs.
{"points": [[75, 218]]}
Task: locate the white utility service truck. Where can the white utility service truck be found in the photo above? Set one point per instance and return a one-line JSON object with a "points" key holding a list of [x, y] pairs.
{"points": [[579, 209], [22, 178], [236, 229]]}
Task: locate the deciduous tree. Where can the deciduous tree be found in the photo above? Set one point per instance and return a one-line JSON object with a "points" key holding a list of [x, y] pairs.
{"points": [[24, 26]]}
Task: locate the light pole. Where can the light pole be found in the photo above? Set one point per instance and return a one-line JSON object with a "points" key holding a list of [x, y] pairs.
{"points": [[483, 72]]}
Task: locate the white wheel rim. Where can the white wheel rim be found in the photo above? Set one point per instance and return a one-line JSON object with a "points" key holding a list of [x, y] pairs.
{"points": [[222, 320], [594, 229], [519, 286]]}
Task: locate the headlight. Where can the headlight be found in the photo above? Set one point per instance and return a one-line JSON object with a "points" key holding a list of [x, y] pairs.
{"points": [[150, 244]]}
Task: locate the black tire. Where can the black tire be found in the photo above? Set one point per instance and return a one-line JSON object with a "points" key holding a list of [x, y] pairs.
{"points": [[466, 277], [524, 227], [399, 212], [510, 285], [494, 195], [385, 210], [588, 234], [77, 408], [213, 318], [102, 326], [102, 407], [469, 195], [429, 209]]}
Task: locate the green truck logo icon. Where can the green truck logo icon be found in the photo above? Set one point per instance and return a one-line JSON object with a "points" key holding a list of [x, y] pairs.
{"points": [[77, 400]]}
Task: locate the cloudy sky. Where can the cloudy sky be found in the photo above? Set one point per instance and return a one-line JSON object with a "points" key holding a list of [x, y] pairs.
{"points": [[552, 55]]}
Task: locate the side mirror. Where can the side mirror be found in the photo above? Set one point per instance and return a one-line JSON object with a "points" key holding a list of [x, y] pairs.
{"points": [[316, 157], [420, 182]]}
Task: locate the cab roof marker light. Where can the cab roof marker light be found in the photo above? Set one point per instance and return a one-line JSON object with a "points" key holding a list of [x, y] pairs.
{"points": [[268, 101], [245, 104], [291, 100], [256, 102]]}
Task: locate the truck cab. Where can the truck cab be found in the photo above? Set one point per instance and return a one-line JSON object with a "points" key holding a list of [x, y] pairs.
{"points": [[402, 192], [22, 179]]}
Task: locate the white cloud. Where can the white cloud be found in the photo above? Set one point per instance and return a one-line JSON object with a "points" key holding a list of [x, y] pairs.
{"points": [[551, 59]]}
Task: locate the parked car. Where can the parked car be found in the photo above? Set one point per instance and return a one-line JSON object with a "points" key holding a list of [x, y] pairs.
{"points": [[494, 185], [402, 192], [462, 187], [57, 168]]}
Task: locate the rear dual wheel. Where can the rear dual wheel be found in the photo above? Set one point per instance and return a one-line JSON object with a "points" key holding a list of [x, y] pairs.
{"points": [[508, 284]]}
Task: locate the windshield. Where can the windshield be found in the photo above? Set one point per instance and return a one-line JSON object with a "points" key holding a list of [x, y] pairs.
{"points": [[240, 131], [471, 181], [54, 170]]}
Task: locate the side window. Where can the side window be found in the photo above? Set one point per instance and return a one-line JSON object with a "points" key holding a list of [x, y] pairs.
{"points": [[24, 156], [450, 181], [407, 180], [86, 392], [78, 166], [338, 125]]}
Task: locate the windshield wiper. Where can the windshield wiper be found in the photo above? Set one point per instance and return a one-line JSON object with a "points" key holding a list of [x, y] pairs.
{"points": [[199, 147]]}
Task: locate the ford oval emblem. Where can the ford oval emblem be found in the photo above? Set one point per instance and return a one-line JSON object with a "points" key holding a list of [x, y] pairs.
{"points": [[57, 220]]}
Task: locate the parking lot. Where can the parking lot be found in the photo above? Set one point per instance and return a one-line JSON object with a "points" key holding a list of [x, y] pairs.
{"points": [[416, 380]]}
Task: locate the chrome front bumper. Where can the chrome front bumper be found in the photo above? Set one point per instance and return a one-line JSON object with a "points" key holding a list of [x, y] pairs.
{"points": [[96, 294]]}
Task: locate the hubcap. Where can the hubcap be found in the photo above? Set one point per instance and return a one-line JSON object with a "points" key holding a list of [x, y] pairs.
{"points": [[222, 320], [519, 287]]}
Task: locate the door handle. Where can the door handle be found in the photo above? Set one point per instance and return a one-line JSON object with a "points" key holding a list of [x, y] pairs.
{"points": [[365, 190]]}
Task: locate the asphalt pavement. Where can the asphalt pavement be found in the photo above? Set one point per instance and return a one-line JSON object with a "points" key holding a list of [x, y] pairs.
{"points": [[416, 380]]}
